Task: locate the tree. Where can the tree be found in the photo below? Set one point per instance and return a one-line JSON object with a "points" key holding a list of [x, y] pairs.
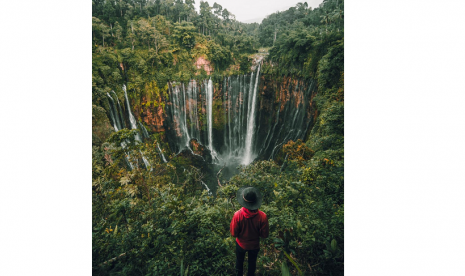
{"points": [[225, 14], [145, 31], [184, 34], [130, 33], [337, 16], [105, 32], [218, 9], [205, 16], [326, 18], [219, 55]]}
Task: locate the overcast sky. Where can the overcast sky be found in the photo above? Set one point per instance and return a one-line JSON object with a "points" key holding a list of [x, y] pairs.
{"points": [[249, 11]]}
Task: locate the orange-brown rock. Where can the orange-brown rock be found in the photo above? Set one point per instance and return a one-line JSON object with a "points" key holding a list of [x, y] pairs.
{"points": [[152, 116], [205, 64]]}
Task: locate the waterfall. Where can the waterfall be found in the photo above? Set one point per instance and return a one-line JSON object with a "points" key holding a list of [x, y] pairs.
{"points": [[145, 133], [185, 115], [209, 97], [113, 113], [191, 106], [291, 121], [206, 187], [229, 115], [248, 127], [239, 101], [133, 122], [123, 124], [161, 153], [117, 118], [179, 111], [250, 124]]}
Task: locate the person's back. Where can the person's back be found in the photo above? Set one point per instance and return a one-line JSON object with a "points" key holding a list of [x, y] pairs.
{"points": [[248, 225]]}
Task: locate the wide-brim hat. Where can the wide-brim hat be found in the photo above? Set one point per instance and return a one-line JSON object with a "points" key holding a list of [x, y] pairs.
{"points": [[249, 197]]}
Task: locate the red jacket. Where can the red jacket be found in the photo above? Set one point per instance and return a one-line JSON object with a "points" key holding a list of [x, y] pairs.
{"points": [[248, 226]]}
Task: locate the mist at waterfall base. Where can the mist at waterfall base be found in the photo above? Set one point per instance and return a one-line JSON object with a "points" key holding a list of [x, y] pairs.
{"points": [[233, 122]]}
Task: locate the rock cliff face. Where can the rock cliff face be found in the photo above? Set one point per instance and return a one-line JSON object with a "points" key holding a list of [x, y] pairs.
{"points": [[152, 116], [238, 118], [205, 64], [255, 113], [284, 111]]}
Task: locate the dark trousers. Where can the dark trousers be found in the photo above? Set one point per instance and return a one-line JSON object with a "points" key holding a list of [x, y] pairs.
{"points": [[240, 256]]}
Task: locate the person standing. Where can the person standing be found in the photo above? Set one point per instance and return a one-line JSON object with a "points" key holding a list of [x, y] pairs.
{"points": [[248, 225]]}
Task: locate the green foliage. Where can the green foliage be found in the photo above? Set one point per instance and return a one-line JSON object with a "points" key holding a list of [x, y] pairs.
{"points": [[155, 96], [162, 221], [218, 115], [220, 56], [300, 38], [285, 269], [101, 127], [327, 134], [297, 151], [165, 221], [138, 44], [331, 66], [184, 34]]}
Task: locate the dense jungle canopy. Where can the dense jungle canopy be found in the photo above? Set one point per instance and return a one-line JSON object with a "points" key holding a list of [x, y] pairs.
{"points": [[157, 217]]}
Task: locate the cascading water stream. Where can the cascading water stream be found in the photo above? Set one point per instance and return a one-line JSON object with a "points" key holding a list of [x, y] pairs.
{"points": [[145, 134], [161, 153], [133, 122], [209, 94], [116, 124], [117, 119], [250, 124], [113, 115], [123, 124], [206, 187], [253, 124]]}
